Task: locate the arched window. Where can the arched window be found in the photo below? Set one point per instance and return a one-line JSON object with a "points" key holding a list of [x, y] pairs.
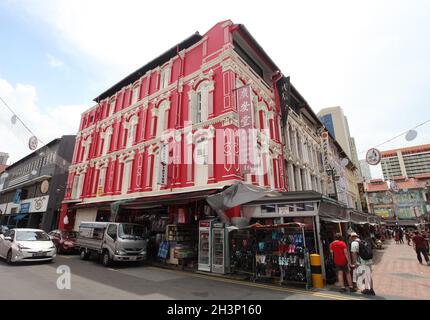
{"points": [[131, 132], [87, 146], [163, 118], [102, 178], [106, 141], [201, 103], [164, 77], [135, 94], [126, 177], [201, 162], [111, 107], [75, 187]]}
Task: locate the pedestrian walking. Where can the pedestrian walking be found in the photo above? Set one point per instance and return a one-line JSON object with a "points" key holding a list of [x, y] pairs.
{"points": [[362, 254], [408, 237], [420, 246], [401, 235], [339, 250], [397, 236]]}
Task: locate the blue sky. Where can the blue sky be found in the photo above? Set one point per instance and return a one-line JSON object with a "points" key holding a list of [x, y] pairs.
{"points": [[370, 57]]}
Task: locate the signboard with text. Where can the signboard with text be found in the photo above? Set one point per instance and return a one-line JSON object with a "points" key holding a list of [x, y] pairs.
{"points": [[246, 141]]}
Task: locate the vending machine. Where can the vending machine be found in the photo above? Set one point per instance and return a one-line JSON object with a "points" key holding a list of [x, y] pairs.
{"points": [[220, 249], [205, 245]]}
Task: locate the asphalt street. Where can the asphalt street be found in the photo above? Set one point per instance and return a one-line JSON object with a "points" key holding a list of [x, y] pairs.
{"points": [[90, 281]]}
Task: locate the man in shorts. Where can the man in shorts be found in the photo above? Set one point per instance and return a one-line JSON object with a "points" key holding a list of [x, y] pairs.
{"points": [[339, 250], [362, 267]]}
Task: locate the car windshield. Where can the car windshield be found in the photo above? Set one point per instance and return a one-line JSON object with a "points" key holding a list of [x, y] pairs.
{"points": [[32, 236], [70, 234], [132, 231]]}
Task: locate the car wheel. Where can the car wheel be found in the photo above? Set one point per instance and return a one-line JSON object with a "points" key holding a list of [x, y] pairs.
{"points": [[59, 250], [9, 257], [106, 260], [83, 254]]}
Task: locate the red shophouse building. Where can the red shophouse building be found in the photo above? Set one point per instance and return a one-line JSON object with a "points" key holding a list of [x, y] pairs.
{"points": [[124, 140]]}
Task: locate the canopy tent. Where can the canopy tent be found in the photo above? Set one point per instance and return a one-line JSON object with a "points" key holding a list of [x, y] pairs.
{"points": [[235, 195]]}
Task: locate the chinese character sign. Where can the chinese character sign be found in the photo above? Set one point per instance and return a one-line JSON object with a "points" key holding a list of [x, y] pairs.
{"points": [[246, 140]]}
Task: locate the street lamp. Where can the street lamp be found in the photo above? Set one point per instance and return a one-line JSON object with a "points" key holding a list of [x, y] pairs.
{"points": [[332, 173]]}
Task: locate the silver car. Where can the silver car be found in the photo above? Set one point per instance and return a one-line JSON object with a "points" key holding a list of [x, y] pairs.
{"points": [[20, 245]]}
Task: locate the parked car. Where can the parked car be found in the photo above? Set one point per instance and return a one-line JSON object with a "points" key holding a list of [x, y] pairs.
{"points": [[112, 241], [64, 240], [21, 245]]}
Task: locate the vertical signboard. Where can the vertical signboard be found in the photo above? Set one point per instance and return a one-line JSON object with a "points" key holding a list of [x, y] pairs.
{"points": [[246, 141], [283, 87], [325, 145], [163, 165]]}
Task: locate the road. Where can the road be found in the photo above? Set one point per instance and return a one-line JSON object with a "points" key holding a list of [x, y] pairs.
{"points": [[90, 281]]}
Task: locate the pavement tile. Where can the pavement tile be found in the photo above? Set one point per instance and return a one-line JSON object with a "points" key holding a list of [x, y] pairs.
{"points": [[399, 274]]}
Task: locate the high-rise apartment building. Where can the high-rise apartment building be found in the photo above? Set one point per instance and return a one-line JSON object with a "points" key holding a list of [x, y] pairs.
{"points": [[407, 162]]}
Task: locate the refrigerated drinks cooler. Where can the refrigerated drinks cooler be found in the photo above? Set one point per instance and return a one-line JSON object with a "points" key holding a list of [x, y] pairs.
{"points": [[205, 244], [220, 252]]}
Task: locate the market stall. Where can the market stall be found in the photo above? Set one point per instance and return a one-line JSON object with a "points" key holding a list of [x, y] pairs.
{"points": [[274, 253]]}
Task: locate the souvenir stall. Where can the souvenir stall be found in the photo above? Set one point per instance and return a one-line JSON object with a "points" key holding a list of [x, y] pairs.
{"points": [[271, 253], [242, 252]]}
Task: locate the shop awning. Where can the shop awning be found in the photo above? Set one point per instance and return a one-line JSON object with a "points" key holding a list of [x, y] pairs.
{"points": [[334, 219], [235, 195], [19, 217], [358, 217], [330, 211], [290, 196]]}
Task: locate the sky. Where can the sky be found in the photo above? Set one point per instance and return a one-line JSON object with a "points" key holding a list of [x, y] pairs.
{"points": [[369, 57]]}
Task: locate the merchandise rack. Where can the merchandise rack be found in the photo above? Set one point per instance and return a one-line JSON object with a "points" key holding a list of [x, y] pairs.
{"points": [[292, 228]]}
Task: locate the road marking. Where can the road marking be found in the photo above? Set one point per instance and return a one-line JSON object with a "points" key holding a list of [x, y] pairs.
{"points": [[263, 286]]}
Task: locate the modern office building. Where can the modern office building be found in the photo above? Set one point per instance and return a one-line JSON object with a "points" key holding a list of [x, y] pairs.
{"points": [[336, 123], [406, 162]]}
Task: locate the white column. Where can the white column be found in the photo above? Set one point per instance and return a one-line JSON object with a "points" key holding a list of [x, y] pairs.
{"points": [[298, 179], [292, 186]]}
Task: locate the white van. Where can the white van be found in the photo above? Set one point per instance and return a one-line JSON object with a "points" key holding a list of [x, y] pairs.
{"points": [[112, 241]]}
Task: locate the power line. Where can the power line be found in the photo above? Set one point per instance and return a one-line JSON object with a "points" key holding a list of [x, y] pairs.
{"points": [[399, 135], [31, 132], [22, 122]]}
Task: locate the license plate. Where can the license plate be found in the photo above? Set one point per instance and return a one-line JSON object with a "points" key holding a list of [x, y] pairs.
{"points": [[39, 254], [133, 258]]}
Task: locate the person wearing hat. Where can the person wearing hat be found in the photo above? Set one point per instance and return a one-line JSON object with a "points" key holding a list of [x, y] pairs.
{"points": [[362, 268]]}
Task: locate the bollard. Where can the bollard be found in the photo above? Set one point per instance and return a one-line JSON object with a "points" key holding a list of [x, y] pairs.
{"points": [[317, 278]]}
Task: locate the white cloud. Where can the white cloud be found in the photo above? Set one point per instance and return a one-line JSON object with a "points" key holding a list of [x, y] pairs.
{"points": [[369, 57], [45, 124], [54, 62]]}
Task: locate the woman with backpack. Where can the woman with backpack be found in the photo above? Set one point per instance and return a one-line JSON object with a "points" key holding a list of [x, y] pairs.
{"points": [[362, 254]]}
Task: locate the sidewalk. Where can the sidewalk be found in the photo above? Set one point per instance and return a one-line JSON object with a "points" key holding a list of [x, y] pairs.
{"points": [[398, 273]]}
